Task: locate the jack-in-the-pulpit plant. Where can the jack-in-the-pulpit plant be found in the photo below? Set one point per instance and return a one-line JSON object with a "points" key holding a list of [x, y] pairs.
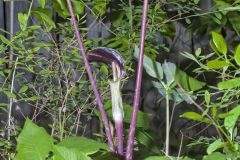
{"points": [[113, 59]]}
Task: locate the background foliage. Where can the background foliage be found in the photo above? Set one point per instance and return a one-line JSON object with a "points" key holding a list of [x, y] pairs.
{"points": [[46, 81]]}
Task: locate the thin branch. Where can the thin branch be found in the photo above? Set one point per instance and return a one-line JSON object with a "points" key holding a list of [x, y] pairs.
{"points": [[91, 79], [129, 153], [202, 110], [11, 100]]}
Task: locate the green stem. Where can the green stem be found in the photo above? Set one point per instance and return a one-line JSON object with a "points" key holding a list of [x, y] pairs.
{"points": [[167, 124]]}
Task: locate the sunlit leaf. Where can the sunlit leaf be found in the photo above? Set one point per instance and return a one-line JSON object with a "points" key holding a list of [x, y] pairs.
{"points": [[23, 19], [207, 97], [217, 64], [229, 84], [214, 146], [42, 3], [65, 153], [33, 142], [23, 89], [83, 144], [237, 55], [219, 42], [195, 116], [215, 155]]}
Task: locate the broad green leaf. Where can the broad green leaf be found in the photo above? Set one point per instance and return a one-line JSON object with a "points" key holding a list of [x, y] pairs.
{"points": [[215, 155], [207, 97], [144, 138], [217, 64], [169, 70], [83, 144], [143, 120], [42, 3], [229, 84], [23, 19], [214, 146], [153, 68], [23, 89], [219, 42], [33, 142], [188, 83], [230, 121], [195, 116], [65, 153], [237, 55]]}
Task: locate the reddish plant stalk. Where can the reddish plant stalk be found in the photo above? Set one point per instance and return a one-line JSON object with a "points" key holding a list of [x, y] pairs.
{"points": [[130, 142], [91, 79], [119, 132]]}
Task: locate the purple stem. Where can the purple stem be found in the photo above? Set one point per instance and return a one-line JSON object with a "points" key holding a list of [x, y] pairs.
{"points": [[91, 79], [130, 142], [119, 132]]}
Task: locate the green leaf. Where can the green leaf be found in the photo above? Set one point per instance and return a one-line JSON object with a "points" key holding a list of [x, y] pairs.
{"points": [[33, 98], [176, 94], [230, 121], [23, 19], [219, 42], [166, 158], [23, 89], [207, 97], [195, 116], [153, 68], [44, 16], [169, 70], [158, 158], [61, 8], [42, 3], [229, 84], [65, 153], [33, 142], [9, 94], [188, 83], [214, 146], [234, 20], [100, 6], [198, 52], [85, 145], [5, 40], [217, 64], [237, 55], [215, 155]]}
